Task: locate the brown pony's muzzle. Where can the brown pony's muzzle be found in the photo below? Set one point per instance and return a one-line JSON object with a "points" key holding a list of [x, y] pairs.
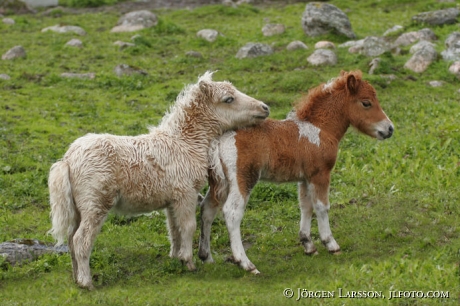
{"points": [[384, 130]]}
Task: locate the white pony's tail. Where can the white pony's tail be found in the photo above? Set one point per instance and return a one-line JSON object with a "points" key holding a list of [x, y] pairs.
{"points": [[63, 210]]}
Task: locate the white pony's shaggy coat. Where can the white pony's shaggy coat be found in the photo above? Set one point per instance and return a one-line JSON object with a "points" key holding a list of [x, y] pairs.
{"points": [[132, 175]]}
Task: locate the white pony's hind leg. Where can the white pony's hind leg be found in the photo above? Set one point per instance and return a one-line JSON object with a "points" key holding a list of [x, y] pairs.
{"points": [[306, 212], [185, 221], [209, 209], [83, 241], [233, 210]]}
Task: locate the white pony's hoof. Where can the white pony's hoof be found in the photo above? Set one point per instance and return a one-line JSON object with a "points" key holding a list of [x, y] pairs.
{"points": [[255, 272]]}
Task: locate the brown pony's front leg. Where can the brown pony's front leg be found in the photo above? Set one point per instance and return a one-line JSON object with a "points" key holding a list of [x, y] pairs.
{"points": [[318, 191], [306, 212]]}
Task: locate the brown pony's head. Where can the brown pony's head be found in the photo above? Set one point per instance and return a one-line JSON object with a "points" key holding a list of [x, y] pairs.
{"points": [[363, 107]]}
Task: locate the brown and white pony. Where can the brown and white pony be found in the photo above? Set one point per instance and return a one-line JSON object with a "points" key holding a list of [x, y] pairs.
{"points": [[132, 175], [302, 148]]}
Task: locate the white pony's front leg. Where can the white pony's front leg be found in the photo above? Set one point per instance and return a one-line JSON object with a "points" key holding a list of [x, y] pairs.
{"points": [[209, 209], [174, 235], [306, 212], [320, 200], [233, 213]]}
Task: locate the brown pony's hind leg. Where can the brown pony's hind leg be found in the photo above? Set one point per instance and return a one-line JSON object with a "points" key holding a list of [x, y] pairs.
{"points": [[318, 190], [306, 212], [209, 209]]}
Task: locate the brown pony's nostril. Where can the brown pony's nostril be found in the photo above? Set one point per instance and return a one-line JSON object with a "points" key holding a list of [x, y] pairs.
{"points": [[391, 129]]}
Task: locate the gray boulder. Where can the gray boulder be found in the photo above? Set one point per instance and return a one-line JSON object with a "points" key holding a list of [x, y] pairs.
{"points": [[321, 18], [15, 52], [135, 21], [447, 16], [422, 58], [452, 43], [323, 57], [254, 50]]}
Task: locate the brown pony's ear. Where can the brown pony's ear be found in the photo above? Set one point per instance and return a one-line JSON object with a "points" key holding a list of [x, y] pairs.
{"points": [[204, 88], [353, 84], [343, 72]]}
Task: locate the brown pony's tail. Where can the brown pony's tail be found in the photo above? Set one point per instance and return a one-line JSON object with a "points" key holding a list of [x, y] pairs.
{"points": [[63, 210], [218, 185]]}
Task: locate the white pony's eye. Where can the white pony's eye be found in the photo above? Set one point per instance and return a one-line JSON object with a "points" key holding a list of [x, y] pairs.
{"points": [[229, 100]]}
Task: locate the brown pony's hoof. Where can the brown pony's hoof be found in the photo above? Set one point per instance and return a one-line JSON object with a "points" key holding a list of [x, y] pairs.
{"points": [[338, 252]]}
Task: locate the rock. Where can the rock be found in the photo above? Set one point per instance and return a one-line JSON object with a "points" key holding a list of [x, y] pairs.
{"points": [[394, 29], [455, 69], [427, 34], [15, 7], [351, 43], [15, 52], [123, 45], [374, 64], [452, 43], [371, 46], [124, 69], [321, 18], [135, 21], [324, 45], [70, 75], [436, 83], [24, 250], [74, 43], [406, 39], [65, 29], [440, 17], [420, 45], [208, 34], [422, 58], [254, 50], [322, 57], [8, 21], [4, 77], [41, 3], [271, 29], [295, 45], [195, 54]]}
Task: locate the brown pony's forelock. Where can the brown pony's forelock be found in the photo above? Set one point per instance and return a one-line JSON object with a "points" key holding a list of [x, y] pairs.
{"points": [[304, 105]]}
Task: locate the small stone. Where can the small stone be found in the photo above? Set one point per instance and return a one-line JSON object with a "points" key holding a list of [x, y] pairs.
{"points": [[322, 57], [4, 77], [254, 50], [208, 34], [455, 68], [271, 29], [374, 64], [295, 45], [65, 29], [436, 83], [70, 75], [8, 21], [194, 54], [15, 52], [324, 45], [124, 69], [123, 45], [74, 43], [394, 29]]}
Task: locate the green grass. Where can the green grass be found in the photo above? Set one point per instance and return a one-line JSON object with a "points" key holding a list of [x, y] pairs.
{"points": [[394, 204]]}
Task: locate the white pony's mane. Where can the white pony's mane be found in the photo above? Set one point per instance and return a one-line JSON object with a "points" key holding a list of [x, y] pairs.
{"points": [[329, 85], [172, 120]]}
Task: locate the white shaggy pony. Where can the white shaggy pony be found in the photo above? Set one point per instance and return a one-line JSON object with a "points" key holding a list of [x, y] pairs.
{"points": [[131, 175]]}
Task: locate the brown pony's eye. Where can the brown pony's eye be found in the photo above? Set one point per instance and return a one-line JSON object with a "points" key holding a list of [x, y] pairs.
{"points": [[366, 103]]}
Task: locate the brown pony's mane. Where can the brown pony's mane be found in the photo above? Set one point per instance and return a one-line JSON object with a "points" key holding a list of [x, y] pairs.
{"points": [[304, 106]]}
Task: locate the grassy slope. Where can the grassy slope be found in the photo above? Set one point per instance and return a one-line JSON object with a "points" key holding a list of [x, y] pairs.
{"points": [[394, 203]]}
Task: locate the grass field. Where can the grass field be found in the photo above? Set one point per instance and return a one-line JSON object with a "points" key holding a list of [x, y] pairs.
{"points": [[394, 204]]}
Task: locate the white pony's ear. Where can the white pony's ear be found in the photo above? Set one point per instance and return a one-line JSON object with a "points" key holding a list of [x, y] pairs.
{"points": [[205, 88]]}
